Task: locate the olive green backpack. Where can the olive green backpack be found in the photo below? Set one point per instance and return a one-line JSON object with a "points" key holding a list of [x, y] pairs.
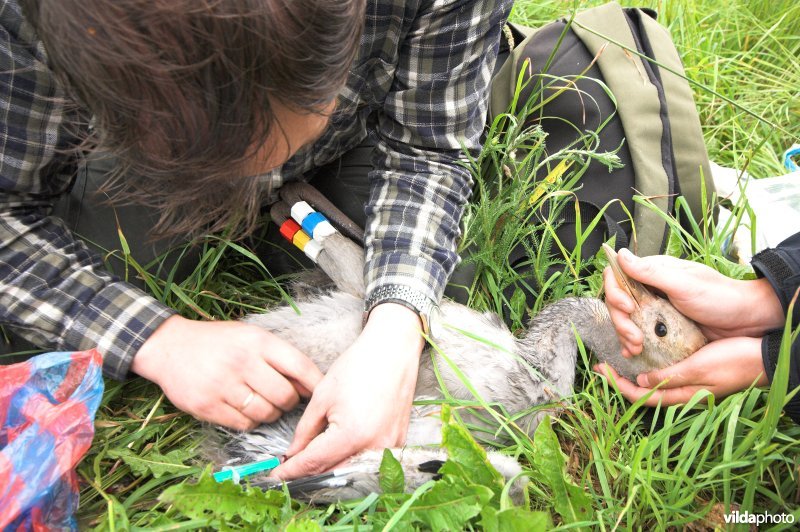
{"points": [[652, 117]]}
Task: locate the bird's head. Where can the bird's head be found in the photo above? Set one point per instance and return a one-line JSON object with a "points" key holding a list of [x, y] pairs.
{"points": [[669, 336]]}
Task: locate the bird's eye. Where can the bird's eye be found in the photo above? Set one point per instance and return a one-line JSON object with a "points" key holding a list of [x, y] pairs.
{"points": [[661, 329]]}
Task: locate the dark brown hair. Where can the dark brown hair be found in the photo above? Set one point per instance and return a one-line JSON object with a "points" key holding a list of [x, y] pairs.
{"points": [[181, 90]]}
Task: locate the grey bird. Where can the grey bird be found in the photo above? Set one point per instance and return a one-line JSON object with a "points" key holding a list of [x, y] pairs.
{"points": [[517, 374]]}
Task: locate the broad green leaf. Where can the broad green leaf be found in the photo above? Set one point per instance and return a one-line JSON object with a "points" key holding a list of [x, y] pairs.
{"points": [[469, 458], [209, 499], [449, 504], [514, 520], [303, 525], [569, 500], [154, 463], [391, 474]]}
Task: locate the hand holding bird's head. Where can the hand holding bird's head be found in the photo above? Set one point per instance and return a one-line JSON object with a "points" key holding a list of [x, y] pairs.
{"points": [[669, 336]]}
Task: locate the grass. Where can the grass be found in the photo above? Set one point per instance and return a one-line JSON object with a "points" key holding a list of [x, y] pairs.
{"points": [[633, 468]]}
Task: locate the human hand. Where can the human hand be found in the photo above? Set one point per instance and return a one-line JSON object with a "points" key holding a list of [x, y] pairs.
{"points": [[722, 307], [226, 372], [365, 398], [722, 367]]}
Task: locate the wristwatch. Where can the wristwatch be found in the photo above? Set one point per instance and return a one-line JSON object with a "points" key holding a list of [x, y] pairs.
{"points": [[425, 307]]}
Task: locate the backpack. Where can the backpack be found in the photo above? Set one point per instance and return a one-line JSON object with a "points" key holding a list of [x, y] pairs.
{"points": [[654, 122]]}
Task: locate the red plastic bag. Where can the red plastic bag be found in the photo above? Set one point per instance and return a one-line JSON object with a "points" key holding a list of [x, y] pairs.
{"points": [[47, 408]]}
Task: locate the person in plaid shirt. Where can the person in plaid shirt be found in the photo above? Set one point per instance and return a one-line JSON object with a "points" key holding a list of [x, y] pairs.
{"points": [[207, 108]]}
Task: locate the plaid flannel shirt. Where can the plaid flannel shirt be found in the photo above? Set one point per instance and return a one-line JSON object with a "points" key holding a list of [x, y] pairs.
{"points": [[419, 84]]}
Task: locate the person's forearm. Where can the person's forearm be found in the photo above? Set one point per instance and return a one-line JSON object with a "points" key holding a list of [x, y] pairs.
{"points": [[760, 307], [396, 323], [148, 359], [420, 184], [413, 227], [56, 294]]}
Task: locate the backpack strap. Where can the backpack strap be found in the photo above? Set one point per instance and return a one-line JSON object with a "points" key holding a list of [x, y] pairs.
{"points": [[689, 149], [636, 94]]}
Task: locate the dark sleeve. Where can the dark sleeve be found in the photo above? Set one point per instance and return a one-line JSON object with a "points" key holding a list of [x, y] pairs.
{"points": [[770, 351], [781, 267]]}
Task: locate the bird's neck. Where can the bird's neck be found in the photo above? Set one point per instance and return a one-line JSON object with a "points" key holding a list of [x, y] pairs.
{"points": [[551, 340]]}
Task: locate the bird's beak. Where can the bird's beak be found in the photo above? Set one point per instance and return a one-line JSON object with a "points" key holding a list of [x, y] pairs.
{"points": [[636, 289]]}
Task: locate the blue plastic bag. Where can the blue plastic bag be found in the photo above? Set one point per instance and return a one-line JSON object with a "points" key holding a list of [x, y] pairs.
{"points": [[47, 408]]}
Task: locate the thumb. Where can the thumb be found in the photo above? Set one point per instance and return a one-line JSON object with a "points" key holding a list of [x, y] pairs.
{"points": [[324, 452], [311, 423], [659, 271], [675, 376]]}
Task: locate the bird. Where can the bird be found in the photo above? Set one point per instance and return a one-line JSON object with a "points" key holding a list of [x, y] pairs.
{"points": [[521, 375]]}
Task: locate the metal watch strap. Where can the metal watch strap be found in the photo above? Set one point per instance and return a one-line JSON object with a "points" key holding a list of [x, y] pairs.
{"points": [[403, 295]]}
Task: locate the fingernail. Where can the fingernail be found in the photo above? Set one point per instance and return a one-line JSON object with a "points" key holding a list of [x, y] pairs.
{"points": [[641, 380], [283, 458], [625, 254]]}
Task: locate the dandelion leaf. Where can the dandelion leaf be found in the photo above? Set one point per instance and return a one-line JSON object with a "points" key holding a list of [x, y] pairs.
{"points": [[154, 463], [450, 504], [570, 501], [226, 501], [467, 459]]}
